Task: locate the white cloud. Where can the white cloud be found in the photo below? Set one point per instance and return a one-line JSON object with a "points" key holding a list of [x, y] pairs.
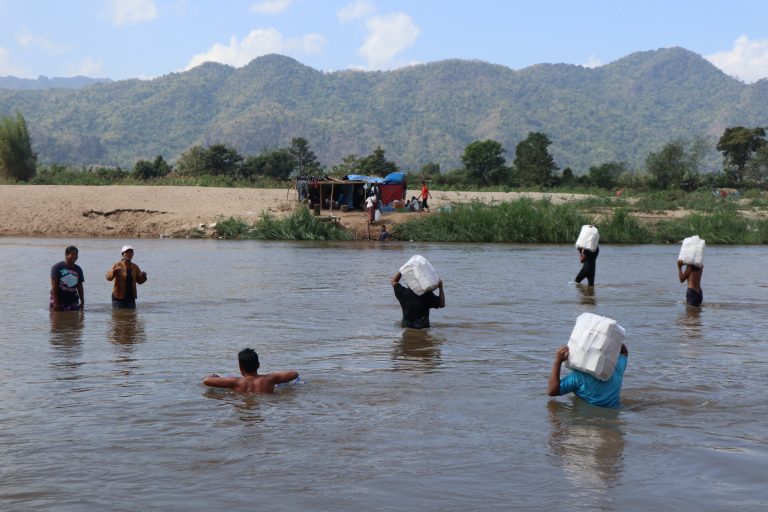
{"points": [[747, 60], [125, 12], [593, 62], [271, 6], [85, 67], [355, 10], [387, 36], [7, 66], [256, 43], [25, 38]]}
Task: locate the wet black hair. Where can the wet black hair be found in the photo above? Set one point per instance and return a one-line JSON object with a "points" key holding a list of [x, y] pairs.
{"points": [[249, 360], [70, 249]]}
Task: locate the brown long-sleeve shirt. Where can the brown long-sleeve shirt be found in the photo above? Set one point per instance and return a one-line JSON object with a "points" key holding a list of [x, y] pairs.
{"points": [[119, 274]]}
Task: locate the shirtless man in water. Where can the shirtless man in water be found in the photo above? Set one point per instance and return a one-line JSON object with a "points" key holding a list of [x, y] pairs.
{"points": [[693, 295], [251, 381]]}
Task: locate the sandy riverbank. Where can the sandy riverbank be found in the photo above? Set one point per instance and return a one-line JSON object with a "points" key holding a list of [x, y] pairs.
{"points": [[151, 212]]}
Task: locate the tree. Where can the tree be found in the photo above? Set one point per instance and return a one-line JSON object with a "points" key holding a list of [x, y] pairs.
{"points": [[146, 170], [193, 162], [17, 160], [675, 166], [533, 164], [274, 163], [350, 164], [223, 160], [756, 172], [485, 162], [376, 164], [606, 175], [430, 171], [216, 160], [738, 144], [306, 160]]}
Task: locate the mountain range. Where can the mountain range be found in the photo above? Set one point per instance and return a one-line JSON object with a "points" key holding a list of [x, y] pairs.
{"points": [[419, 114]]}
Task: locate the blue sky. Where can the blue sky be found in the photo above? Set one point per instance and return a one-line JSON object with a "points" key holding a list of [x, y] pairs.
{"points": [[121, 39]]}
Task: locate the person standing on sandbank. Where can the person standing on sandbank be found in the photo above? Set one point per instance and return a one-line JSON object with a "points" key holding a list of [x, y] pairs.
{"points": [[126, 275]]}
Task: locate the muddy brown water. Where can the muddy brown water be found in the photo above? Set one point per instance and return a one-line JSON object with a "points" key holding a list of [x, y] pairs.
{"points": [[105, 410]]}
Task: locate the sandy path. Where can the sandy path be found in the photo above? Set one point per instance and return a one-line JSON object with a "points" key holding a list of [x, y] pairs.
{"points": [[139, 211]]}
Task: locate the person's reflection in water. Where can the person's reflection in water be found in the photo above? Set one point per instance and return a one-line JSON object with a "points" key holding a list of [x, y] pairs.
{"points": [[589, 444], [587, 295], [417, 349], [690, 323], [127, 332], [66, 337]]}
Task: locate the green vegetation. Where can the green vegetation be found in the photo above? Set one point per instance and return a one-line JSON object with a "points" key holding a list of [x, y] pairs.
{"points": [[619, 112], [299, 225], [526, 220], [17, 160]]}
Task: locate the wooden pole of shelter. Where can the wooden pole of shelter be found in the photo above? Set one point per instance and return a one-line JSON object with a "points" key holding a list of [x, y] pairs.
{"points": [[321, 199], [330, 208]]}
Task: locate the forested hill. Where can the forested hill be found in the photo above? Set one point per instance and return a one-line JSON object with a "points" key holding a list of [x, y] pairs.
{"points": [[419, 114], [43, 82]]}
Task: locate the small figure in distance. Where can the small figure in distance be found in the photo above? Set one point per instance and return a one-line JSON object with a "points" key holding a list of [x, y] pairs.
{"points": [[589, 265], [693, 295], [585, 386], [126, 275], [416, 307], [384, 234], [424, 196], [67, 280], [251, 381]]}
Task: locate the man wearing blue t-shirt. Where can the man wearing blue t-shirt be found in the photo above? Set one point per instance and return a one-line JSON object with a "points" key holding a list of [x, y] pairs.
{"points": [[585, 386]]}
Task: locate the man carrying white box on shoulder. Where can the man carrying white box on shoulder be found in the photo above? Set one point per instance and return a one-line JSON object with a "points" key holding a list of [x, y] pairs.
{"points": [[597, 357]]}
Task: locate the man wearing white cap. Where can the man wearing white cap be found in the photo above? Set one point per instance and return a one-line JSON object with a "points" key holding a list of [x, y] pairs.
{"points": [[126, 275]]}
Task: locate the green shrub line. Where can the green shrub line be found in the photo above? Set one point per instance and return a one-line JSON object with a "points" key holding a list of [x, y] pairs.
{"points": [[299, 225], [521, 221]]}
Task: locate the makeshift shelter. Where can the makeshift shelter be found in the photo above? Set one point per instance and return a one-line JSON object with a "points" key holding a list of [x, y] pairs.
{"points": [[351, 190]]}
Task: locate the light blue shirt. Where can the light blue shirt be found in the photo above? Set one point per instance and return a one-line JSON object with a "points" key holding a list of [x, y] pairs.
{"points": [[593, 390]]}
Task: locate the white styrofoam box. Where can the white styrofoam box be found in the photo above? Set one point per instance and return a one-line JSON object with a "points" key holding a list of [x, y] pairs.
{"points": [[594, 345], [419, 275], [588, 238], [692, 251]]}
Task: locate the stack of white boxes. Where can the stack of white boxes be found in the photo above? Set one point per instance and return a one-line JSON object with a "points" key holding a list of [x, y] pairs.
{"points": [[692, 251], [594, 345], [588, 238], [419, 275]]}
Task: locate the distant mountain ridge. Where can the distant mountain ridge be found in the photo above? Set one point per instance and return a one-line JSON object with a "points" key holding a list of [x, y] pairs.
{"points": [[43, 82], [419, 114]]}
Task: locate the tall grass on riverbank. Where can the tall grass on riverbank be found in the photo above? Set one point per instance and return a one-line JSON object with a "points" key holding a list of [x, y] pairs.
{"points": [[524, 220], [299, 225], [723, 226], [530, 221]]}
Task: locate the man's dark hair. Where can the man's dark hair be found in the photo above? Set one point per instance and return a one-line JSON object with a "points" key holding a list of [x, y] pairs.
{"points": [[249, 360], [71, 249]]}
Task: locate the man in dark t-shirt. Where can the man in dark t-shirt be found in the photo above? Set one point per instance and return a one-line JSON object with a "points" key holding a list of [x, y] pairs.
{"points": [[416, 307], [67, 283]]}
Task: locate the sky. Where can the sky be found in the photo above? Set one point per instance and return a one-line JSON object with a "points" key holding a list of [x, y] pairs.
{"points": [[121, 39]]}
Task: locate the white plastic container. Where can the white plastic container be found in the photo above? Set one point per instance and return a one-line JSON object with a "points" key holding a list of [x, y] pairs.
{"points": [[419, 275], [594, 345], [588, 238], [692, 251]]}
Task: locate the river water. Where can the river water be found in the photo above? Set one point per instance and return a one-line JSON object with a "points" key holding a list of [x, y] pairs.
{"points": [[105, 410]]}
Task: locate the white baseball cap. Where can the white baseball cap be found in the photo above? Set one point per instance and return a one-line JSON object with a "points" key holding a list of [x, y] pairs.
{"points": [[126, 248]]}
